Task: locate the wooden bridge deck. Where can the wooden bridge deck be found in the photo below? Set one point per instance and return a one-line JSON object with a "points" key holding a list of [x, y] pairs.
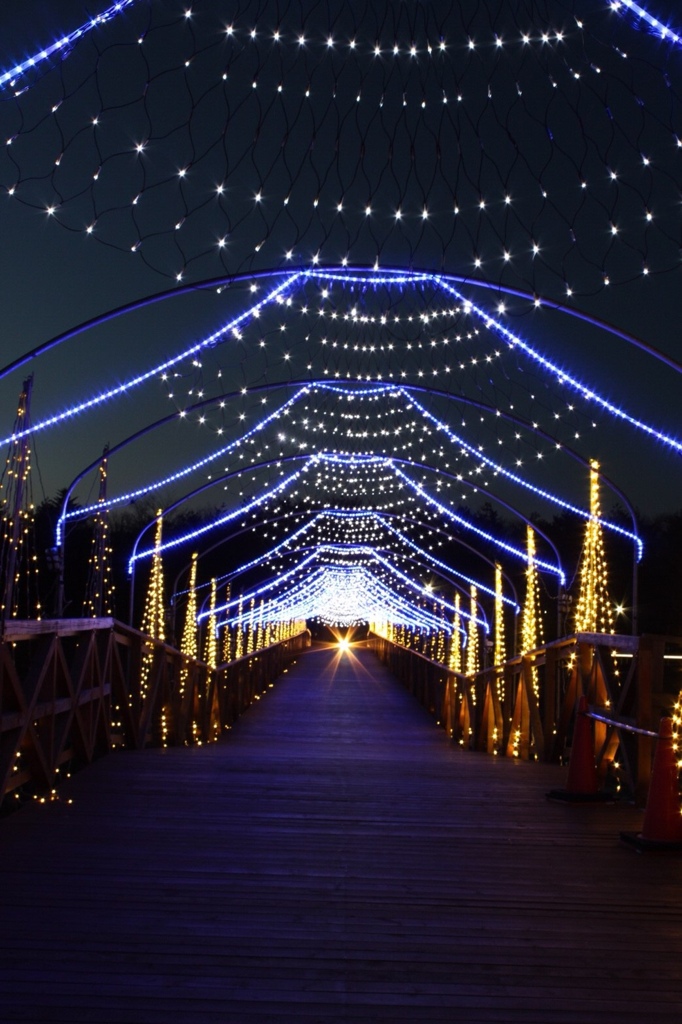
{"points": [[335, 859]]}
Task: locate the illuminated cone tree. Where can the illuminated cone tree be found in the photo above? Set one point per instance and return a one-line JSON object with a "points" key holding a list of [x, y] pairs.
{"points": [[188, 644], [227, 632], [472, 639], [99, 590], [211, 644], [499, 653], [531, 619], [153, 620], [456, 638], [594, 610], [18, 560]]}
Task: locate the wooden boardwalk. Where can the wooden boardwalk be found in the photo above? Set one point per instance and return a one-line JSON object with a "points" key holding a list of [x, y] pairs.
{"points": [[335, 859]]}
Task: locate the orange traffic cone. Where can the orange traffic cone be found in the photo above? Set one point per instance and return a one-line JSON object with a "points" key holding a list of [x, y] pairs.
{"points": [[662, 825], [582, 785]]}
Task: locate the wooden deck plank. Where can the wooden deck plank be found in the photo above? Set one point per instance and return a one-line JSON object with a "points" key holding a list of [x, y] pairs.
{"points": [[336, 858]]}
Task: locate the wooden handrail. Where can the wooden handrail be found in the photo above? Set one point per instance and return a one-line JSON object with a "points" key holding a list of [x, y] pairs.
{"points": [[70, 692], [526, 707]]}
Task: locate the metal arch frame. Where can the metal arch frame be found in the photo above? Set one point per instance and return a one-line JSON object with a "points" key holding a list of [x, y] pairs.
{"points": [[316, 383], [422, 389], [307, 273], [309, 460], [388, 551], [384, 515], [367, 278]]}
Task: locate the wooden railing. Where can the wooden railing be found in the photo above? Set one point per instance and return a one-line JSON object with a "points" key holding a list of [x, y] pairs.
{"points": [[70, 692], [526, 708]]}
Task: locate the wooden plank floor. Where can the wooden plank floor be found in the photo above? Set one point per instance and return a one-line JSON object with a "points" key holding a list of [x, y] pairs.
{"points": [[335, 859]]}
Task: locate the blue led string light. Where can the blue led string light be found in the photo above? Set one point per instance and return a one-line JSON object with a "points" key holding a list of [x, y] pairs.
{"points": [[257, 591], [348, 389], [227, 518], [209, 342], [62, 45], [375, 555], [299, 603], [357, 460], [376, 279], [449, 514], [514, 341], [395, 390], [515, 478], [353, 461], [424, 591], [442, 565], [373, 516], [564, 378], [129, 496], [663, 31], [390, 275]]}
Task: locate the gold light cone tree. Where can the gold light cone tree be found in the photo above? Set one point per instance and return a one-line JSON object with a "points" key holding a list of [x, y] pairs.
{"points": [[211, 643], [472, 637], [99, 593], [18, 559], [188, 643], [499, 651], [594, 609], [531, 616], [456, 639], [153, 619]]}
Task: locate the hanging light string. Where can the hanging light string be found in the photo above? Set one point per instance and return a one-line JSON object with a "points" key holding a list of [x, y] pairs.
{"points": [[62, 46], [212, 339], [373, 75], [339, 595], [651, 23], [360, 521], [358, 462]]}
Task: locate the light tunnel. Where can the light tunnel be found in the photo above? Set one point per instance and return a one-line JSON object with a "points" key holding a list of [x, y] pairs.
{"points": [[409, 439]]}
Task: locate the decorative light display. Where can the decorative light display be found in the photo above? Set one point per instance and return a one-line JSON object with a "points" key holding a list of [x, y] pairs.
{"points": [[61, 47], [173, 478], [251, 628], [545, 190], [162, 368], [210, 643], [334, 585], [677, 727], [362, 522], [565, 379], [594, 608], [18, 559], [363, 416], [349, 391], [483, 534], [472, 636], [389, 282], [455, 661], [154, 616], [499, 645], [352, 462], [239, 629], [188, 643], [99, 590], [499, 650], [227, 633], [366, 423], [662, 30], [531, 616]]}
